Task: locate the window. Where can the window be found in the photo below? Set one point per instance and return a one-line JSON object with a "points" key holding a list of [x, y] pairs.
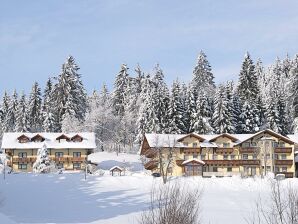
{"points": [[185, 143], [203, 157], [214, 169], [59, 165], [195, 156], [225, 157], [245, 156], [268, 168], [59, 154], [283, 156], [277, 169], [194, 144], [284, 169], [229, 169], [76, 154], [226, 145], [254, 156], [170, 170], [276, 156], [76, 166], [281, 144], [22, 154], [254, 144], [214, 156], [267, 156], [232, 156], [22, 166], [246, 144], [274, 144]]}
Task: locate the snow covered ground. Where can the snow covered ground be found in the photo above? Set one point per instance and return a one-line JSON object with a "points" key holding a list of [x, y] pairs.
{"points": [[68, 198]]}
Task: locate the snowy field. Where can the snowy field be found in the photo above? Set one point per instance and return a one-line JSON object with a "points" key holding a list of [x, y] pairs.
{"points": [[68, 198]]}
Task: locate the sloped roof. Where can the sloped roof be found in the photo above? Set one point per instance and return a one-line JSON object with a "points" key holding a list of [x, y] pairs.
{"points": [[164, 140], [10, 141]]}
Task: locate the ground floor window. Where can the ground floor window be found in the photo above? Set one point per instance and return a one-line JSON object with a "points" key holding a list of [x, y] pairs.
{"points": [[22, 166], [214, 169], [76, 166], [60, 165], [229, 169], [284, 169]]}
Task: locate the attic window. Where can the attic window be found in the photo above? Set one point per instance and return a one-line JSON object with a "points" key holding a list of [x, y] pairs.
{"points": [[63, 138], [37, 138], [23, 139], [77, 138]]}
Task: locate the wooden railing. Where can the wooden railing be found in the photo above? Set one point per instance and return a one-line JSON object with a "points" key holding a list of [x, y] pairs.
{"points": [[287, 162], [224, 150], [191, 150], [250, 162], [152, 164], [249, 150], [151, 153], [283, 150], [222, 162], [56, 159]]}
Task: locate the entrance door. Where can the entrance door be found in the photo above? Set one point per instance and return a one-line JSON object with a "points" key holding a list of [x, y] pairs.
{"points": [[193, 170]]}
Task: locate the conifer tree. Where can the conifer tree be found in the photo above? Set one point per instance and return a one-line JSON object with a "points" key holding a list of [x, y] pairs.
{"points": [[22, 115], [48, 109], [35, 120]]}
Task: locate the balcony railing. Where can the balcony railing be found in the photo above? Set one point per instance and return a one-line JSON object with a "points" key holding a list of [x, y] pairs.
{"points": [[224, 150], [152, 164], [249, 150], [151, 153], [283, 150], [191, 150], [220, 174], [223, 162], [250, 162], [287, 162], [56, 159], [23, 160], [76, 159]]}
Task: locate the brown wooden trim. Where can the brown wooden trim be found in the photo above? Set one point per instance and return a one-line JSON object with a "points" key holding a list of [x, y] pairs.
{"points": [[192, 135], [287, 174], [152, 164], [284, 162], [224, 135], [249, 149], [283, 150]]}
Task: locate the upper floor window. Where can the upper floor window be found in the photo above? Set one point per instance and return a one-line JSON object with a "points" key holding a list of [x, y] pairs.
{"points": [[195, 156], [284, 169], [283, 156], [276, 156], [214, 157], [244, 156], [267, 156], [246, 144], [22, 154], [274, 144], [194, 144], [226, 157], [254, 156], [226, 144], [232, 156], [76, 154], [254, 144], [203, 157], [59, 154], [186, 157], [281, 144], [185, 143]]}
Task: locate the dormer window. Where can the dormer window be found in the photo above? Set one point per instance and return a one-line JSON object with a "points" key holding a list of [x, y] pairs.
{"points": [[23, 139], [185, 144], [37, 138], [77, 138], [63, 138], [226, 145]]}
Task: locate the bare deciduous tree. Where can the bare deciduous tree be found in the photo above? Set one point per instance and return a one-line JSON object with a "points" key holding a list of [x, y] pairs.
{"points": [[173, 204], [281, 208]]}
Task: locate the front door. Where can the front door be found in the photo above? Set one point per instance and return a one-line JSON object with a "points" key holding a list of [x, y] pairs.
{"points": [[193, 170]]}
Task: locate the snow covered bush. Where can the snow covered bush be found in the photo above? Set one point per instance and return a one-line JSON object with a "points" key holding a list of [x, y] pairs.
{"points": [[43, 164]]}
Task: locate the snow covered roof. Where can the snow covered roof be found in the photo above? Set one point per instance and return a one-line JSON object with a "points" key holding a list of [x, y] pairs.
{"points": [[175, 140], [10, 141], [193, 160], [116, 167]]}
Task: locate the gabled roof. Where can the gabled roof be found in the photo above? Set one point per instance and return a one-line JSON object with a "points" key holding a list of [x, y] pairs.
{"points": [[36, 137], [270, 132], [10, 141], [23, 136], [198, 161], [63, 136], [200, 138], [76, 136], [234, 139]]}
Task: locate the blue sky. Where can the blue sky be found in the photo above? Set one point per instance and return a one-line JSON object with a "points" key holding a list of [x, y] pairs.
{"points": [[37, 36]]}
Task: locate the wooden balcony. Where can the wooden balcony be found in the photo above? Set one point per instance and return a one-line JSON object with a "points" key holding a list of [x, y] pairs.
{"points": [[287, 162], [23, 160], [191, 150], [287, 174], [59, 159], [253, 162], [283, 150], [151, 153], [249, 150], [76, 159], [222, 162], [152, 164], [224, 150]]}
